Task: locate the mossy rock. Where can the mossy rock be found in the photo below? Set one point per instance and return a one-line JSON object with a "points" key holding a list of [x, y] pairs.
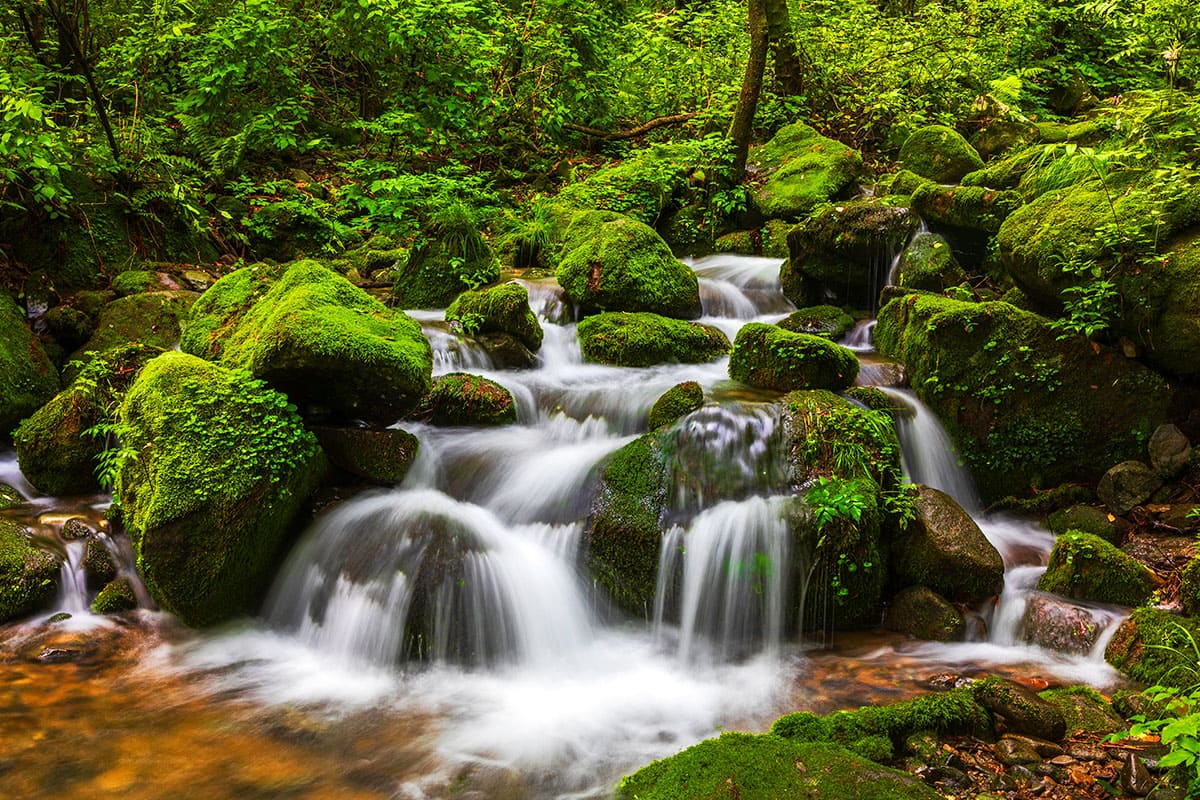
{"points": [[499, 309], [461, 399], [1173, 339], [1023, 407], [902, 183], [27, 378], [218, 469], [944, 549], [378, 455], [115, 597], [69, 326], [1022, 710], [1007, 172], [134, 281], [843, 252], [152, 318], [929, 265], [1087, 519], [764, 767], [433, 276], [770, 357], [611, 262], [920, 612], [678, 401], [829, 322], [643, 340], [828, 436], [1086, 567], [1084, 710], [1156, 647], [373, 258], [939, 153], [55, 452], [312, 334], [971, 208], [768, 241], [28, 575], [9, 497], [803, 170], [644, 185], [1003, 135]]}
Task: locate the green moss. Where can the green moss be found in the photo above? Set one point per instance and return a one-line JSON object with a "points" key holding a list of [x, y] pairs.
{"points": [[903, 182], [1086, 567], [803, 169], [1024, 408], [9, 497], [615, 263], [829, 322], [1023, 711], [152, 318], [872, 397], [770, 357], [1189, 588], [1154, 646], [678, 401], [1088, 519], [929, 265], [115, 597], [27, 378], [1007, 172], [55, 453], [461, 399], [624, 532], [643, 185], [644, 339], [433, 276], [27, 575], [1084, 710], [973, 208], [764, 767], [216, 469], [500, 309], [314, 335], [939, 153], [803, 726], [134, 281]]}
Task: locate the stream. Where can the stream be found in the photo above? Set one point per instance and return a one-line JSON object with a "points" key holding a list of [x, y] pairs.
{"points": [[527, 685]]}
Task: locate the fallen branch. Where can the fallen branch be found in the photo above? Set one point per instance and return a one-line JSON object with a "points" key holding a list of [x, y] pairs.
{"points": [[640, 130]]}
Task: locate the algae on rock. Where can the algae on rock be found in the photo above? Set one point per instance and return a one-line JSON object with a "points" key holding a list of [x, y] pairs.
{"points": [[643, 339], [770, 357]]}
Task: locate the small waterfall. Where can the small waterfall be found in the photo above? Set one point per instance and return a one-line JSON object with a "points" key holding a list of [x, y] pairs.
{"points": [[1005, 628], [754, 279], [928, 454], [120, 552], [859, 339], [72, 582], [416, 574], [719, 298]]}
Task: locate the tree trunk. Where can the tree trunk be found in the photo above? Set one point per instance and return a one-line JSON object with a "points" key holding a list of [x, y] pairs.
{"points": [[789, 73], [743, 117]]}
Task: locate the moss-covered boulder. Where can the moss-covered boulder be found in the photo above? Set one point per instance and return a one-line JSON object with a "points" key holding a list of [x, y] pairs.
{"points": [[1084, 710], [28, 575], [643, 185], [458, 398], [802, 170], [150, 318], [643, 339], [27, 378], [1087, 519], [1126, 485], [116, 596], [829, 322], [939, 153], [218, 467], [1085, 567], [378, 455], [929, 265], [944, 549], [71, 327], [965, 208], [920, 612], [443, 267], [1020, 708], [1153, 646], [499, 309], [314, 335], [844, 253], [765, 767], [1023, 407], [611, 262], [770, 357], [678, 401], [55, 452], [1061, 626]]}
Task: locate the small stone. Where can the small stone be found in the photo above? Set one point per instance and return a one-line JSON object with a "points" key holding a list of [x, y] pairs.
{"points": [[1127, 485], [61, 616], [1012, 751], [1169, 450], [1087, 752], [1062, 761], [1135, 778], [76, 528]]}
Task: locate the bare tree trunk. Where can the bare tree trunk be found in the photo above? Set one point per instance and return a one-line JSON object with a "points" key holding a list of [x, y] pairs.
{"points": [[789, 72], [743, 117]]}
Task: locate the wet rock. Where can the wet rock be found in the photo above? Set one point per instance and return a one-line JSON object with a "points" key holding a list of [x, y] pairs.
{"points": [[61, 616], [644, 339], [829, 321], [1012, 751], [498, 309], [929, 265], [1058, 625], [506, 351], [771, 358], [1022, 710], [379, 455], [1084, 711], [1088, 519], [1086, 567], [461, 399], [925, 746], [1135, 778], [678, 401], [1087, 752], [803, 169], [98, 563], [1127, 485], [76, 528], [945, 550], [28, 575], [1169, 450], [27, 378], [116, 596], [939, 153], [921, 612]]}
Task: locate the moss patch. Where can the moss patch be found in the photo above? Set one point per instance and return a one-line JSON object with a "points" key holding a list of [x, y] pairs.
{"points": [[678, 401], [929, 265], [461, 399], [1156, 647], [499, 309], [28, 576], [1085, 567], [643, 185], [151, 318], [972, 208], [27, 378], [939, 153], [770, 357], [644, 339], [829, 322], [803, 169]]}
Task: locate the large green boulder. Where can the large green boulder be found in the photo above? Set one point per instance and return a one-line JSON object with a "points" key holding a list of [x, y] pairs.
{"points": [[644, 185], [498, 309], [28, 575], [1023, 407], [150, 318], [678, 401], [611, 262], [314, 335], [56, 452], [643, 340], [458, 398], [843, 252], [1085, 567], [1156, 647], [27, 378], [928, 264], [965, 208], [216, 467], [944, 549], [802, 170], [766, 767], [939, 153], [769, 357]]}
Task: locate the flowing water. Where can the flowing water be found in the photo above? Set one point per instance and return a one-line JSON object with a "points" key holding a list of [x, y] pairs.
{"points": [[441, 639]]}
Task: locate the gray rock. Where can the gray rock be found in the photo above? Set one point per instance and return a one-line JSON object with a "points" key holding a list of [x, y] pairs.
{"points": [[1126, 485], [1169, 450], [1012, 751], [920, 612], [1059, 625]]}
